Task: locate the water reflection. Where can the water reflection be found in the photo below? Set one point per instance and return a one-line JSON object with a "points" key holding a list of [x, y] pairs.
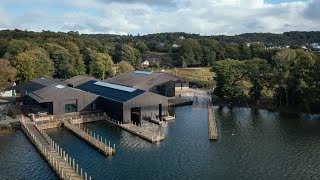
{"points": [[253, 144]]}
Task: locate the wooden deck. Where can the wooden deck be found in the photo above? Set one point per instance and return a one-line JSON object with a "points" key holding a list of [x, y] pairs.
{"points": [[97, 142], [137, 130], [64, 166], [213, 131], [169, 118]]}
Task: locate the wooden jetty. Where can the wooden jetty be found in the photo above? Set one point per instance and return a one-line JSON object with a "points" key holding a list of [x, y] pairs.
{"points": [[98, 142], [150, 136], [64, 166], [213, 131], [169, 118]]}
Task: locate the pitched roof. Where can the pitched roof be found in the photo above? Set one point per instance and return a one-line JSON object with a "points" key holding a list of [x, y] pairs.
{"points": [[117, 93], [143, 81], [47, 81], [50, 93], [78, 80], [36, 84]]}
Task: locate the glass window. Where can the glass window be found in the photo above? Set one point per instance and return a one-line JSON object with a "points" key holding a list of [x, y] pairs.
{"points": [[70, 108]]}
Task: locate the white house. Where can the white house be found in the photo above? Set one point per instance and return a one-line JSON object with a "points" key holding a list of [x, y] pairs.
{"points": [[145, 63], [9, 93], [175, 46]]}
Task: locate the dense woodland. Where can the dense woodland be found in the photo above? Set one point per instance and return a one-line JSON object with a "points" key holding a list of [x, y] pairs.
{"points": [[242, 70]]}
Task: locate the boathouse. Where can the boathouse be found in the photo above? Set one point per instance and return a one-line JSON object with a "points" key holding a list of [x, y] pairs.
{"points": [[34, 85], [59, 99], [126, 103], [159, 83]]}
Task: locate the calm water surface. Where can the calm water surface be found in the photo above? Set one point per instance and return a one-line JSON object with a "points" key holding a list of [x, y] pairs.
{"points": [[253, 144]]}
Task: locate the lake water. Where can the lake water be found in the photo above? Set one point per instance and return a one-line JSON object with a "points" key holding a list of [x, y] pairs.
{"points": [[253, 144]]}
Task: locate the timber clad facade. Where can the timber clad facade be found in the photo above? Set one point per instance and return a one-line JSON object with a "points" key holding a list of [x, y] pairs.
{"points": [[62, 99], [133, 96]]}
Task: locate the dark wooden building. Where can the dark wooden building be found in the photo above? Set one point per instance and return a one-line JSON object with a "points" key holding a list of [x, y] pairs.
{"points": [[78, 80], [160, 83], [36, 84], [126, 103], [61, 99]]}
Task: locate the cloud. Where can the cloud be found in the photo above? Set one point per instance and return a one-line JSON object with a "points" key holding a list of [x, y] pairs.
{"points": [[148, 2], [313, 10], [206, 17]]}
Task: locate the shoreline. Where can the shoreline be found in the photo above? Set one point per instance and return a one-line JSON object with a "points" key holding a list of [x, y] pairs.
{"points": [[264, 104], [9, 129]]}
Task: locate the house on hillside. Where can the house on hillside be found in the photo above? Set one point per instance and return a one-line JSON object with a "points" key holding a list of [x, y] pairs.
{"points": [[9, 92], [175, 46], [145, 63], [152, 59]]}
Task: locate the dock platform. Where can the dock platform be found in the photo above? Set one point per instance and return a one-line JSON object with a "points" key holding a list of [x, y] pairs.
{"points": [[169, 118], [137, 130], [64, 166], [93, 139], [213, 131]]}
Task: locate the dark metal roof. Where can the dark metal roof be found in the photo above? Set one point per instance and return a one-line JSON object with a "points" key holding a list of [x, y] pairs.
{"points": [[51, 93], [47, 81], [36, 84], [143, 81], [78, 80], [109, 93]]}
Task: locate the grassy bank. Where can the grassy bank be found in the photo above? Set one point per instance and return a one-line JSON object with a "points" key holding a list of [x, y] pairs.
{"points": [[201, 77]]}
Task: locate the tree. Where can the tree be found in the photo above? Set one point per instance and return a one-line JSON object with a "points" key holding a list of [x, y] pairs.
{"points": [[7, 73], [15, 47], [258, 72], [191, 51], [130, 54], [230, 74], [42, 63], [101, 66], [124, 66], [24, 63], [61, 59], [75, 60]]}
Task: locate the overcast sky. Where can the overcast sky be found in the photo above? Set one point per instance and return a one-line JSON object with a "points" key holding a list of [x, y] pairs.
{"points": [[206, 17]]}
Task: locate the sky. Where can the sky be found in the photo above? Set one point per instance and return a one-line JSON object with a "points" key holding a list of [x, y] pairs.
{"points": [[205, 17]]}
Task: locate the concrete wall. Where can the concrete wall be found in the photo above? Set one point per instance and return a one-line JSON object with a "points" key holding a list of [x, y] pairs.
{"points": [[149, 103]]}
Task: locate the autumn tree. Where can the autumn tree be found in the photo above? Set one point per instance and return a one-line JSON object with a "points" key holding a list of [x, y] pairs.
{"points": [[7, 73], [124, 66]]}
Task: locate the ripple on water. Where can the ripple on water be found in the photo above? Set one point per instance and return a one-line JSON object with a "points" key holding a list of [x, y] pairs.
{"points": [[253, 144]]}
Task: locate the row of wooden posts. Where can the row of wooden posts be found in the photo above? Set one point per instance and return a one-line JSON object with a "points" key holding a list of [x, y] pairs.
{"points": [[68, 159], [90, 134]]}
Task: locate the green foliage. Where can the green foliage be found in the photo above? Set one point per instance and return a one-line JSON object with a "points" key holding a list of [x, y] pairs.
{"points": [[7, 73], [229, 75], [101, 66], [124, 66], [24, 63], [199, 83]]}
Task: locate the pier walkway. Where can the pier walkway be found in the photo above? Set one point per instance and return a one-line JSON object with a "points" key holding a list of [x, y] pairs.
{"points": [[64, 166], [93, 139], [150, 136], [213, 131]]}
